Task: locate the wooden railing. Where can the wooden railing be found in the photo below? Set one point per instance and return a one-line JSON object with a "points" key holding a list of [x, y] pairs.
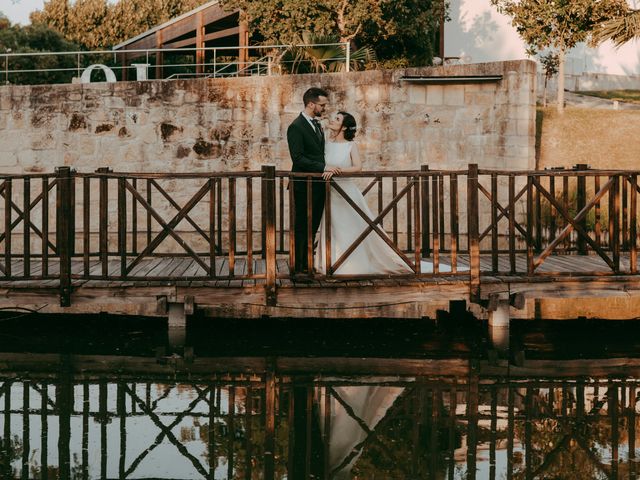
{"points": [[225, 228]]}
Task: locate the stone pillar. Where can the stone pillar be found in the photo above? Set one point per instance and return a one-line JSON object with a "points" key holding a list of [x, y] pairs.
{"points": [[499, 325], [177, 325]]}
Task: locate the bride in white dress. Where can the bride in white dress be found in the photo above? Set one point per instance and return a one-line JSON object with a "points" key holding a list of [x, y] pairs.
{"points": [[373, 255]]}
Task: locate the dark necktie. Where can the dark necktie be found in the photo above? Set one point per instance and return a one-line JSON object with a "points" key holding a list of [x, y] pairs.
{"points": [[316, 124]]}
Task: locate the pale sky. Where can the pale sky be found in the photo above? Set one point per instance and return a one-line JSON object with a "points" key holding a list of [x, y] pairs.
{"points": [[18, 10]]}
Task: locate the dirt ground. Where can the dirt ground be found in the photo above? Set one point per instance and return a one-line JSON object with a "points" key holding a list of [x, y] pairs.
{"points": [[607, 139]]}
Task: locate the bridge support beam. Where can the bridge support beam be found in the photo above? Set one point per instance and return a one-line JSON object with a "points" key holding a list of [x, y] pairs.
{"points": [[177, 314], [177, 325], [499, 320]]}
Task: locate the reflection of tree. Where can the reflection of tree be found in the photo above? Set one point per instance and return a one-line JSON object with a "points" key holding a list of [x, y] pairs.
{"points": [[567, 447], [241, 445], [10, 451], [407, 441], [53, 472]]}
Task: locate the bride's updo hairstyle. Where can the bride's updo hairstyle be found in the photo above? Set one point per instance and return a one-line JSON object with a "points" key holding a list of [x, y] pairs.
{"points": [[349, 124]]}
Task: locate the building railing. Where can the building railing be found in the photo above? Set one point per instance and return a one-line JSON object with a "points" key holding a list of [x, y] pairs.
{"points": [[230, 227], [169, 63]]}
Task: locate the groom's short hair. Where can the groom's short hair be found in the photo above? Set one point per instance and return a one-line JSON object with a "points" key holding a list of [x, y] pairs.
{"points": [[313, 94]]}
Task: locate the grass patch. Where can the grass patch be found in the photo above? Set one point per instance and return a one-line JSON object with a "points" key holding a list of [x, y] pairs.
{"points": [[630, 96]]}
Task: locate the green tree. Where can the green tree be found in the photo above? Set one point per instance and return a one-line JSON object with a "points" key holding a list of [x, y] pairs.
{"points": [[100, 24], [324, 56], [558, 25], [394, 28], [33, 39], [621, 29]]}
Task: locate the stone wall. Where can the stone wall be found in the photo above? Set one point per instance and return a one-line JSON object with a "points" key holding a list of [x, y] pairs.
{"points": [[240, 123]]}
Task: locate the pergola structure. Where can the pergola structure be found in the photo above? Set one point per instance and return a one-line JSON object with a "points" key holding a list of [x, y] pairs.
{"points": [[209, 25]]}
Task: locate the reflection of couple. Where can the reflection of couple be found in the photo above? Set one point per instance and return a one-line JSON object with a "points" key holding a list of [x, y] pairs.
{"points": [[338, 154]]}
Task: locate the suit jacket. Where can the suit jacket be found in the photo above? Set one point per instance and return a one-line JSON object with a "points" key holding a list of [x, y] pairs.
{"points": [[305, 148]]}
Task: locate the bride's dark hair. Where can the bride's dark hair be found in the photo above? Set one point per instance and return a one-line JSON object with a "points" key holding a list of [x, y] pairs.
{"points": [[349, 124]]}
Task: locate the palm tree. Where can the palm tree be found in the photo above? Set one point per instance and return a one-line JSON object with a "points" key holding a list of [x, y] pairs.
{"points": [[324, 53], [621, 29]]}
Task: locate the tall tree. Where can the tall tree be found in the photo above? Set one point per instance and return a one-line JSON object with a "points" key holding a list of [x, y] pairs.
{"points": [[100, 24], [558, 24], [34, 39], [394, 28]]}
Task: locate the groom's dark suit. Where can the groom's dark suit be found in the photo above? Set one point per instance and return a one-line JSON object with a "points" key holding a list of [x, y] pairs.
{"points": [[307, 154]]}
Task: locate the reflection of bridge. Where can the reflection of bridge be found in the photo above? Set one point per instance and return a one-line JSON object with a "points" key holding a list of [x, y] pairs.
{"points": [[221, 241], [236, 417]]}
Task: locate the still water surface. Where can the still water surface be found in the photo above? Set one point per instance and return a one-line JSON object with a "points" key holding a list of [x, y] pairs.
{"points": [[106, 397]]}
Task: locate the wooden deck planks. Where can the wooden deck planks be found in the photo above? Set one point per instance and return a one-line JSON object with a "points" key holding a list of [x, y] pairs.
{"points": [[186, 272]]}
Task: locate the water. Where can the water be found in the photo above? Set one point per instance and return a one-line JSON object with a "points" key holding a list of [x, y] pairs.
{"points": [[108, 397]]}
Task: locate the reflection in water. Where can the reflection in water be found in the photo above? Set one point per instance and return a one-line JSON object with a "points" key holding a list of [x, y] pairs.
{"points": [[446, 413]]}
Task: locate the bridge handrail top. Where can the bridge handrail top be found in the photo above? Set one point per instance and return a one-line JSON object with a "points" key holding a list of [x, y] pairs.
{"points": [[288, 174]]}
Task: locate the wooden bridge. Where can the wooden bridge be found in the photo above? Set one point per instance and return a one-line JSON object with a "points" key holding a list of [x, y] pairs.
{"points": [[222, 242]]}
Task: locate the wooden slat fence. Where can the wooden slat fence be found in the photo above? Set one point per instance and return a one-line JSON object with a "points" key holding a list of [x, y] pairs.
{"points": [[234, 226]]}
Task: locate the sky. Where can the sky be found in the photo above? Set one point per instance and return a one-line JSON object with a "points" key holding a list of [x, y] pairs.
{"points": [[18, 10]]}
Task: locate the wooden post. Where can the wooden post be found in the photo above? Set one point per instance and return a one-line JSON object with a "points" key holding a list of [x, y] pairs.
{"points": [[200, 54], [45, 226], [614, 222], [104, 224], [494, 222], [424, 187], [633, 227], [64, 233], [159, 56], [122, 226], [581, 202], [243, 43], [270, 422], [455, 221], [64, 404], [232, 226], [473, 232], [26, 209], [8, 209], [269, 212], [472, 423], [512, 223], [327, 231], [529, 238]]}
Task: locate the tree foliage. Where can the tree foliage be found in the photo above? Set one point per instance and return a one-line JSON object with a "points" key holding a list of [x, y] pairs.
{"points": [[621, 29], [558, 24], [33, 39], [100, 24], [393, 28]]}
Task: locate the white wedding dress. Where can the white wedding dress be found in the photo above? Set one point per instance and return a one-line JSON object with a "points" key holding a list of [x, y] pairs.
{"points": [[373, 255]]}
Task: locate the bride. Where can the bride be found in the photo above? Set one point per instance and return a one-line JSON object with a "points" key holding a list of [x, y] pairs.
{"points": [[373, 255]]}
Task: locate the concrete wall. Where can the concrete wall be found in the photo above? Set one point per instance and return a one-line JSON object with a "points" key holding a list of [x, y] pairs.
{"points": [[240, 124], [587, 82]]}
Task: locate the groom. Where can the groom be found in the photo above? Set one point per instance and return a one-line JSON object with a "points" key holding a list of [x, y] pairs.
{"points": [[306, 147]]}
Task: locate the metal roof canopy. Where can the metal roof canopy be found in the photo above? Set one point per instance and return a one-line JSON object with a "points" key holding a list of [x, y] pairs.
{"points": [[204, 26]]}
